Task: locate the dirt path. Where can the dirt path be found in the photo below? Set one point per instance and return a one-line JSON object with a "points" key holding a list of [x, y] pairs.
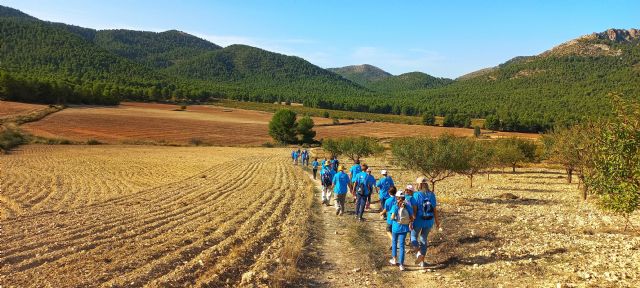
{"points": [[345, 265]]}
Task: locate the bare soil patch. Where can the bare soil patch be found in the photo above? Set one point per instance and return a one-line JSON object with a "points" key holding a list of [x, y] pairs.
{"points": [[210, 125]]}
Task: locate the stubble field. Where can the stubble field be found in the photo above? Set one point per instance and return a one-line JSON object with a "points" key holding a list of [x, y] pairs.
{"points": [[9, 109], [84, 216]]}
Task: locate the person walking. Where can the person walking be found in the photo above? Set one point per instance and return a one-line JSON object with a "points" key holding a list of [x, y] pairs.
{"points": [[386, 209], [372, 182], [364, 184], [384, 184], [315, 165], [335, 163], [326, 177], [341, 185], [353, 172], [402, 221], [295, 157], [426, 216]]}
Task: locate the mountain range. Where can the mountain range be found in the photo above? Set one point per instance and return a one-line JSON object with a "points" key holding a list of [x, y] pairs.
{"points": [[48, 62]]}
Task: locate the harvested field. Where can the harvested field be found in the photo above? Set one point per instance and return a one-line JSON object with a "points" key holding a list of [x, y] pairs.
{"points": [[12, 109], [209, 125], [156, 216]]}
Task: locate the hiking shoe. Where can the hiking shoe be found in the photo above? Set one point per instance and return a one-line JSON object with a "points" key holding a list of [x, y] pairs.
{"points": [[337, 212], [361, 219], [401, 267], [393, 262]]}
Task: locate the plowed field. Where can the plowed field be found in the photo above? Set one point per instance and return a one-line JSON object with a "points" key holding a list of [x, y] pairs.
{"points": [[9, 109], [83, 216], [159, 123]]}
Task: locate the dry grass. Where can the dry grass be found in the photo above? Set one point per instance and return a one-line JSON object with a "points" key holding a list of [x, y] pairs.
{"points": [[10, 109]]}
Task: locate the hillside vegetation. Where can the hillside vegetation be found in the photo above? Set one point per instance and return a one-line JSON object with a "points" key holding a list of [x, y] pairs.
{"points": [[46, 62]]}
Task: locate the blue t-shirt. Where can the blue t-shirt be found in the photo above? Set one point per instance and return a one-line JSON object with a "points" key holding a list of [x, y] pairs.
{"points": [[341, 183], [315, 164], [384, 184], [368, 180], [295, 155], [355, 169], [397, 227], [324, 163], [388, 204], [419, 199]]}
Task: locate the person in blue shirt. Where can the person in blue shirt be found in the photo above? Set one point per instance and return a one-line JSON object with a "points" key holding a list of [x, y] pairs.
{"points": [[295, 157], [335, 163], [315, 165], [323, 163], [326, 177], [354, 170], [341, 185], [401, 216], [383, 187], [386, 209], [364, 183], [426, 216]]}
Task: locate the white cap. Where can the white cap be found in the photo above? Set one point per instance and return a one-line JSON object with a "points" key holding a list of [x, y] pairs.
{"points": [[410, 187], [400, 194], [383, 172]]}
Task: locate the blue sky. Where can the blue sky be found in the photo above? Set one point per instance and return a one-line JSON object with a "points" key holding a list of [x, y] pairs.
{"points": [[442, 38]]}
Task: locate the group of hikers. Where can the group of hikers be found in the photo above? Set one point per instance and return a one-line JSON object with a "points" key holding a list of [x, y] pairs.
{"points": [[300, 156], [412, 210]]}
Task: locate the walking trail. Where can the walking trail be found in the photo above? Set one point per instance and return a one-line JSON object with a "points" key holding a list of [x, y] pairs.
{"points": [[342, 265]]}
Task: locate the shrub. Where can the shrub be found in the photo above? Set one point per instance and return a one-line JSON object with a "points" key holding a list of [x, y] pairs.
{"points": [[476, 131], [335, 121], [11, 137], [93, 142], [325, 114], [429, 119], [196, 141], [183, 107]]}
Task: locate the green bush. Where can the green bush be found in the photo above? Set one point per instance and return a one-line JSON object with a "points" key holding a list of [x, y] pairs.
{"points": [[305, 130], [11, 137], [93, 142]]}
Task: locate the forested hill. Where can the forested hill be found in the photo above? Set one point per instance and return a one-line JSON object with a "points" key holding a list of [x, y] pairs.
{"points": [[379, 80], [43, 61], [363, 74], [54, 62]]}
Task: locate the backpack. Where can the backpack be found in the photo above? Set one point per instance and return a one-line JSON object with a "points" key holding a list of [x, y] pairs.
{"points": [[403, 216], [326, 178], [427, 209], [360, 189]]}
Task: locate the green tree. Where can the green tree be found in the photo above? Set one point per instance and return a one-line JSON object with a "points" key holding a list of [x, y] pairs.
{"points": [[283, 127], [508, 153], [429, 119], [359, 147], [614, 174], [305, 129], [475, 158], [566, 146], [331, 146], [437, 159]]}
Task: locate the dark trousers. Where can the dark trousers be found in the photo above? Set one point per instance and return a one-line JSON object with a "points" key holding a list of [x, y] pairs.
{"points": [[315, 171], [361, 202]]}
